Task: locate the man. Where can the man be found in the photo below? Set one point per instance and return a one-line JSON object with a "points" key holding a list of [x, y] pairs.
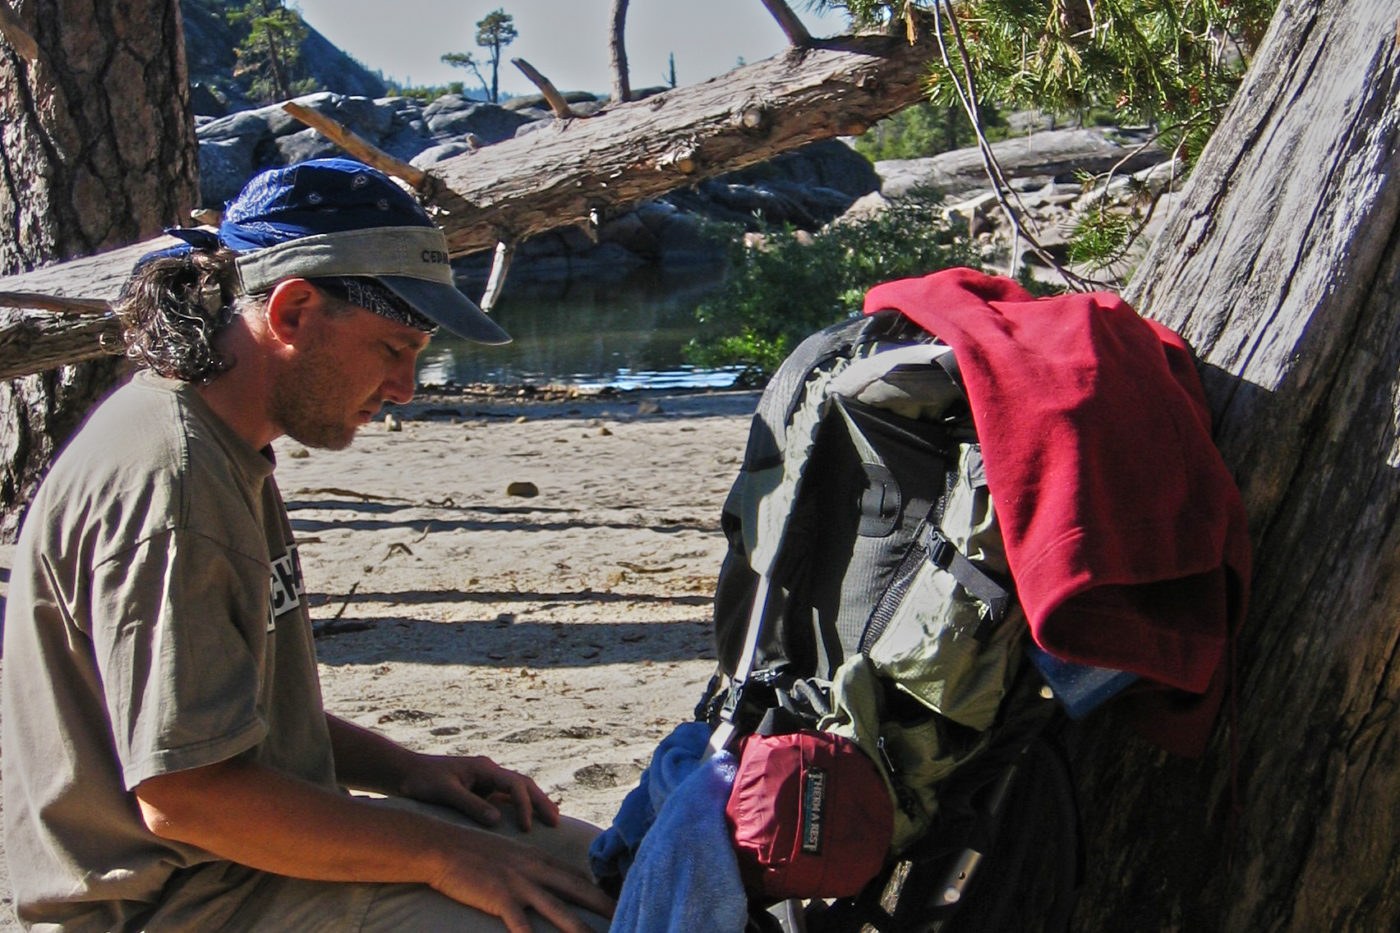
{"points": [[167, 762]]}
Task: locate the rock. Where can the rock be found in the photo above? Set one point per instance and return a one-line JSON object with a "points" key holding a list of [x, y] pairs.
{"points": [[333, 69], [210, 59], [807, 188], [224, 166], [435, 154], [611, 262], [539, 120], [537, 101], [631, 233], [206, 101], [828, 163], [361, 114], [244, 124], [308, 144], [459, 116], [407, 141], [864, 208], [522, 489]]}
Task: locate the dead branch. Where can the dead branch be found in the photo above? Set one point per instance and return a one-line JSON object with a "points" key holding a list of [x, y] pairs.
{"points": [[557, 103], [54, 304], [792, 27], [496, 282], [32, 343], [622, 88], [360, 148]]}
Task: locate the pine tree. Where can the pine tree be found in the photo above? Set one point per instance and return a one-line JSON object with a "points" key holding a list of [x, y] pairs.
{"points": [[495, 31], [271, 51]]}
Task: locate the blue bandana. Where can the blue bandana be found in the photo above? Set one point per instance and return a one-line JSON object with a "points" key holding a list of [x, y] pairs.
{"points": [[340, 218]]}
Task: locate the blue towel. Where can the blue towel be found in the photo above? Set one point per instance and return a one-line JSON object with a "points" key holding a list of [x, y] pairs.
{"points": [[675, 758], [685, 878]]}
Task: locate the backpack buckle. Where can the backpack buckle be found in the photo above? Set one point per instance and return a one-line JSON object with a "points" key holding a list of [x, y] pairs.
{"points": [[940, 550]]}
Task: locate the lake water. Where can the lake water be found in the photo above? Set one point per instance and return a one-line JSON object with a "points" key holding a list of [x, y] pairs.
{"points": [[625, 334]]}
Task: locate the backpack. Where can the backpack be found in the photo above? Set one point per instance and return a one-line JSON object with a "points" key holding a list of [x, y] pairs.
{"points": [[865, 550], [866, 592]]}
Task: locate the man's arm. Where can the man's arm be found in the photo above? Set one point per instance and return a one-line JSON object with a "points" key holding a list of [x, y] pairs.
{"points": [[365, 760], [250, 814]]}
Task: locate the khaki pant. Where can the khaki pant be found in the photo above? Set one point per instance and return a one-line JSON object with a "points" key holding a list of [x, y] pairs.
{"points": [[266, 903]]}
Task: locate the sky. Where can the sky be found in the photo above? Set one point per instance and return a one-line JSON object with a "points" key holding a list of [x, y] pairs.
{"points": [[566, 40]]}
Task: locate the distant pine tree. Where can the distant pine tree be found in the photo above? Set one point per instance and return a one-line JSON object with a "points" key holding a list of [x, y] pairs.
{"points": [[270, 54]]}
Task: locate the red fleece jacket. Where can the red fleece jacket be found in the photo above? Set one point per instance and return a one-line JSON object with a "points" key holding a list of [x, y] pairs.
{"points": [[1124, 531]]}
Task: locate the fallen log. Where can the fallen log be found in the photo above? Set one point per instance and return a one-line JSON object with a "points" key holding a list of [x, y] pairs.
{"points": [[1045, 153], [560, 175], [582, 169], [34, 337]]}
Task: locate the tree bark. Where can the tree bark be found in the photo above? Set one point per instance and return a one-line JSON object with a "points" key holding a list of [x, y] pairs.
{"points": [[97, 150], [1282, 268], [617, 46]]}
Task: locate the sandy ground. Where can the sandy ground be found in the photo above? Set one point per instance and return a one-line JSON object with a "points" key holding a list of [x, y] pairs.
{"points": [[522, 576]]}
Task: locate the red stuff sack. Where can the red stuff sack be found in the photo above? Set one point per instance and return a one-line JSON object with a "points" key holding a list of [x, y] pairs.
{"points": [[810, 815]]}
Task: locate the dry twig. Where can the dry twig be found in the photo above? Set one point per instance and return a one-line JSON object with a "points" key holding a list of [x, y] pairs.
{"points": [[361, 149], [557, 103], [55, 304], [792, 27]]}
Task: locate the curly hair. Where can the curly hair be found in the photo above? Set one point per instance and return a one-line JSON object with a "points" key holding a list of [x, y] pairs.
{"points": [[172, 307]]}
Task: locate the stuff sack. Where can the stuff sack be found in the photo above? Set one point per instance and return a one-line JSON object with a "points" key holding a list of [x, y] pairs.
{"points": [[810, 816]]}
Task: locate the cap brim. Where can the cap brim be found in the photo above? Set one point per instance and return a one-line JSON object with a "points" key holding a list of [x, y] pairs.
{"points": [[448, 307]]}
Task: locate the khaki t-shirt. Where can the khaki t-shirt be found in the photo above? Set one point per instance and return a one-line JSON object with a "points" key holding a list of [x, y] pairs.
{"points": [[155, 623]]}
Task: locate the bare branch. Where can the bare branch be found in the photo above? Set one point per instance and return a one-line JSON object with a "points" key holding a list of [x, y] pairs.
{"points": [[967, 96], [496, 282], [622, 88], [361, 149], [33, 343], [14, 32], [557, 103], [55, 304], [792, 26]]}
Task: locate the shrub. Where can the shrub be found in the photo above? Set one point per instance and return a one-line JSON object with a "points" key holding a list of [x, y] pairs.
{"points": [[777, 293]]}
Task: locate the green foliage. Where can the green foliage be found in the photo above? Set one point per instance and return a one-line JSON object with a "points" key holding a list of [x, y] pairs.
{"points": [[778, 293], [493, 32], [425, 94], [1171, 64], [270, 53], [1101, 238], [925, 130], [467, 60]]}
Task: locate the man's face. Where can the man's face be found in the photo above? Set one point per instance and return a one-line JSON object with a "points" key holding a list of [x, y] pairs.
{"points": [[348, 364]]}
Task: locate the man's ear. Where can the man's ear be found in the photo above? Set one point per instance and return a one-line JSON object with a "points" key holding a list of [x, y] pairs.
{"points": [[288, 309]]}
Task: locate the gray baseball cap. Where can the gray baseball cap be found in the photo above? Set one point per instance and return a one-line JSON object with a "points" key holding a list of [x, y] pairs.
{"points": [[341, 218]]}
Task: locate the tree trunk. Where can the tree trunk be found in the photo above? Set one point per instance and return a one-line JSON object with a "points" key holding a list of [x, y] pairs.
{"points": [[98, 150], [1282, 268], [622, 89]]}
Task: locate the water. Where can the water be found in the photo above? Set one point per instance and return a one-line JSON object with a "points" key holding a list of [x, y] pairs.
{"points": [[624, 334]]}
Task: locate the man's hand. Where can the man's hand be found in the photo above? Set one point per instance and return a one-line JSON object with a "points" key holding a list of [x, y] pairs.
{"points": [[509, 878], [250, 814], [471, 784], [365, 760]]}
